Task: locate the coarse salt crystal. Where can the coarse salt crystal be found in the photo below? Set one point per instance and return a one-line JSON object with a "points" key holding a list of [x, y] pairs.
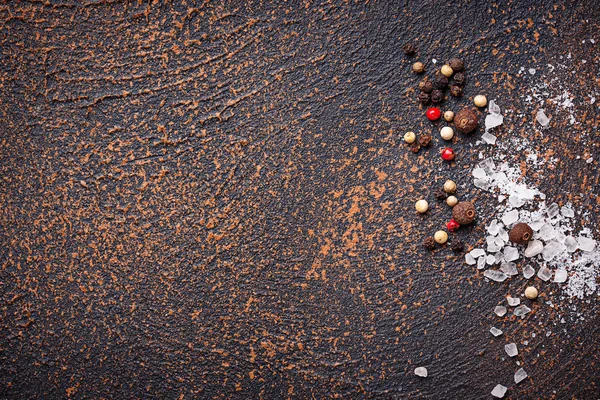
{"points": [[500, 311], [499, 391], [520, 375], [513, 301], [495, 331]]}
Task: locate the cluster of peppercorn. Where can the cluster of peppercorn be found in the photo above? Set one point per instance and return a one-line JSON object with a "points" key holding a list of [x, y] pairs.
{"points": [[433, 90], [463, 213], [465, 121]]}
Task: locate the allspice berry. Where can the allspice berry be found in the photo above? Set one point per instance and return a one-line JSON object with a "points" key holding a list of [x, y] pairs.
{"points": [[456, 64], [464, 212], [418, 67], [521, 233], [466, 120], [531, 292]]}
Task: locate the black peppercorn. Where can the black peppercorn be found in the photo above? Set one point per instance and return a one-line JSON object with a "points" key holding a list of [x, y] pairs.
{"points": [[423, 98], [426, 86], [440, 194], [415, 147], [437, 96], [466, 120], [464, 212], [459, 78], [409, 49], [456, 91], [429, 243], [440, 81], [456, 64], [457, 246], [425, 140], [520, 233]]}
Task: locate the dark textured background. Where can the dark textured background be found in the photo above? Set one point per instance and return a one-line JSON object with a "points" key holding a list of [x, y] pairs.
{"points": [[213, 201]]}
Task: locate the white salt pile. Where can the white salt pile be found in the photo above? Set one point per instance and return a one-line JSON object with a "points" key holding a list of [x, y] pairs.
{"points": [[555, 245]]}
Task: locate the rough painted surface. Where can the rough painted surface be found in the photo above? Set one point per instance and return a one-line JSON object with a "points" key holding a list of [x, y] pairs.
{"points": [[206, 200]]}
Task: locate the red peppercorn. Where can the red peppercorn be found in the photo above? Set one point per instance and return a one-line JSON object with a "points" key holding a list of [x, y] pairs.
{"points": [[452, 225], [433, 113], [448, 154]]}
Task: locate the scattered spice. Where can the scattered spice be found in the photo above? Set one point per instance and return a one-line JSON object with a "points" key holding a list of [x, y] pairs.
{"points": [[531, 292], [409, 49], [447, 133], [521, 233], [437, 96], [440, 237], [456, 64], [449, 186], [424, 98], [433, 114], [410, 137], [422, 206], [448, 154], [456, 91], [426, 86], [452, 225], [440, 194], [466, 120], [458, 246], [464, 212], [429, 243], [425, 140], [459, 78], [480, 100], [440, 81], [451, 201], [446, 70], [418, 67]]}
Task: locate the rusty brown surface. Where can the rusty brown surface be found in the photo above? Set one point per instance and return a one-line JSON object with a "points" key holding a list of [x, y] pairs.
{"points": [[213, 201]]}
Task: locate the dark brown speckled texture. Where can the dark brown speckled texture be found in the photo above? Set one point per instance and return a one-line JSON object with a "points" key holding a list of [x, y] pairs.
{"points": [[214, 201]]}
